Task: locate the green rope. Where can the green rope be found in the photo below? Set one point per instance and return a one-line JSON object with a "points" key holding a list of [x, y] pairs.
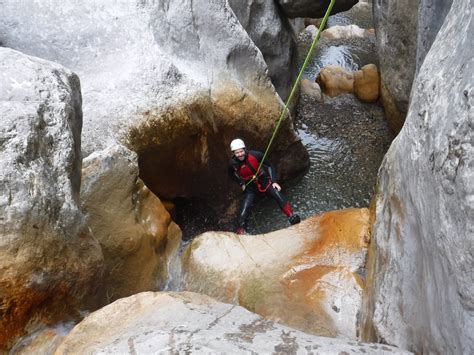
{"points": [[295, 85]]}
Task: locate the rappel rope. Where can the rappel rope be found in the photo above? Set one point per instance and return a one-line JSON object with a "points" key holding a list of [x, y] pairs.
{"points": [[295, 85]]}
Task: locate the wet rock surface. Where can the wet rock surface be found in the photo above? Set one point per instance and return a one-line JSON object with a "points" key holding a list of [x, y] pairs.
{"points": [[308, 276], [423, 232], [192, 323], [49, 263]]}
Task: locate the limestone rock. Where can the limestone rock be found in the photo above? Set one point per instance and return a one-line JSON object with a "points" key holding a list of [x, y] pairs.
{"points": [[43, 341], [173, 81], [305, 276], [335, 80], [344, 32], [421, 294], [367, 83], [396, 33], [49, 263], [274, 36], [312, 8], [431, 16], [192, 323], [312, 90], [133, 227]]}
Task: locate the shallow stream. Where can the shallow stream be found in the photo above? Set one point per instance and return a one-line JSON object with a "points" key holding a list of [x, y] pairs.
{"points": [[346, 140]]}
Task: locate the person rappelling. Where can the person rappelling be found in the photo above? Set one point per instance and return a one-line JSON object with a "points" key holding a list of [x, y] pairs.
{"points": [[254, 177]]}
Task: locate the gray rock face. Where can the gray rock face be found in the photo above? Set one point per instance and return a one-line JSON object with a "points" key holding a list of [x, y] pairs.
{"points": [[47, 257], [150, 323], [423, 283], [396, 30], [431, 16], [313, 8], [174, 81], [273, 34]]}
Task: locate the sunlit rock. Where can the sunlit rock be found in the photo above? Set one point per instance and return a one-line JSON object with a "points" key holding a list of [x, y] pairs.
{"points": [[335, 80], [173, 81], [306, 276], [421, 290], [345, 32], [179, 323], [133, 227], [367, 83], [49, 263]]}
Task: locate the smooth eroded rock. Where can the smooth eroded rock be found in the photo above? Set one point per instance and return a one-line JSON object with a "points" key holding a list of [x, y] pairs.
{"points": [[367, 83], [174, 81], [335, 80], [305, 276], [345, 32], [150, 323], [274, 36], [49, 263], [421, 290], [134, 229], [396, 33]]}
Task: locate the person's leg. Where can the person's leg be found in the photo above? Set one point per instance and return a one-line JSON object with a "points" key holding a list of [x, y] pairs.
{"points": [[284, 205], [245, 208]]}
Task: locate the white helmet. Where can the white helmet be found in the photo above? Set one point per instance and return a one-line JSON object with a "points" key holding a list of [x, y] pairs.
{"points": [[237, 144]]}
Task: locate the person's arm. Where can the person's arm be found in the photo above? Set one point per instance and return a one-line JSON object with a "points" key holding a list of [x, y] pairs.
{"points": [[232, 170]]}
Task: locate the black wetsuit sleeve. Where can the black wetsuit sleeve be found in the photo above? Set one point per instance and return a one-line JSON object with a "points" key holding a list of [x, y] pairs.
{"points": [[232, 170], [267, 166]]}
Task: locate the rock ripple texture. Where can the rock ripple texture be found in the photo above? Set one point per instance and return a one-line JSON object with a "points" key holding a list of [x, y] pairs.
{"points": [[48, 260], [422, 293], [151, 323]]}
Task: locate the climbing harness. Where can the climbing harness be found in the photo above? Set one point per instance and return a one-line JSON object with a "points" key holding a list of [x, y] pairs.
{"points": [[295, 85]]}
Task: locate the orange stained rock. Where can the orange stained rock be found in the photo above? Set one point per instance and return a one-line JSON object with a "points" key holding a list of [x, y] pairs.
{"points": [[20, 304], [347, 229], [337, 232]]}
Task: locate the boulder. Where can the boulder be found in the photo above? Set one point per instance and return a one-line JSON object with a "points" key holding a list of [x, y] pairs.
{"points": [[335, 80], [421, 291], [396, 33], [344, 32], [49, 263], [312, 8], [179, 323], [311, 90], [131, 224], [367, 83], [273, 34], [306, 276], [173, 81]]}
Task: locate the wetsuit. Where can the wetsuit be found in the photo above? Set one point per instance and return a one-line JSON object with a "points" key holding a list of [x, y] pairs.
{"points": [[243, 171]]}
